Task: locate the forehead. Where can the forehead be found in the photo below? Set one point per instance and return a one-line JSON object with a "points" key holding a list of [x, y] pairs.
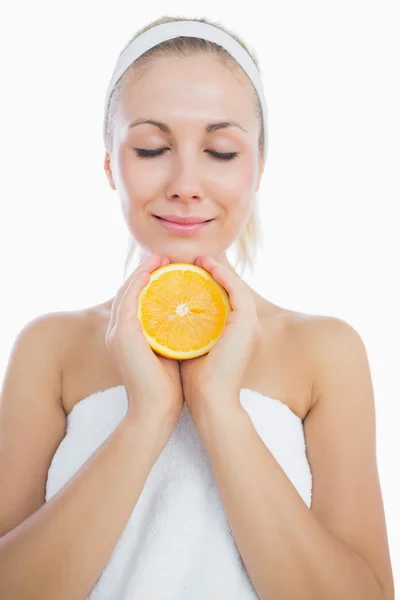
{"points": [[199, 85]]}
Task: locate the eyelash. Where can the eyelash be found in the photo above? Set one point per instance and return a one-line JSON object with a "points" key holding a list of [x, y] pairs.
{"points": [[150, 153]]}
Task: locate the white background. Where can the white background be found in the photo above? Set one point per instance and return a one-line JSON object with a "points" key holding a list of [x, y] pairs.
{"points": [[330, 192]]}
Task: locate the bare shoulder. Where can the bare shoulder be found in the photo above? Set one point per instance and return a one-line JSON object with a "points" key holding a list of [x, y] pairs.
{"points": [[70, 329], [326, 335], [32, 416], [58, 329], [340, 433], [49, 338], [325, 338], [48, 333]]}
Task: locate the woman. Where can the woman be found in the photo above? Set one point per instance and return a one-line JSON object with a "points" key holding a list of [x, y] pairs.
{"points": [[190, 479]]}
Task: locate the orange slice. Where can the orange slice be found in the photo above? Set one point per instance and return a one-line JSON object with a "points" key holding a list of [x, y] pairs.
{"points": [[183, 311]]}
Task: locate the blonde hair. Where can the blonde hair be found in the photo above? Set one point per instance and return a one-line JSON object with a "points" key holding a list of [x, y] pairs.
{"points": [[250, 239]]}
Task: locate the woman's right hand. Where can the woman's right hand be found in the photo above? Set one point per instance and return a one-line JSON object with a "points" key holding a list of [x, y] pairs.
{"points": [[152, 382]]}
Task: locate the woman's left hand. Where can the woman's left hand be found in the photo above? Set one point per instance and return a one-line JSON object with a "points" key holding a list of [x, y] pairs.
{"points": [[219, 374]]}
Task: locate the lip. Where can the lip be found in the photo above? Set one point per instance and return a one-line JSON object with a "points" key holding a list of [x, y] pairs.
{"points": [[183, 228], [185, 220]]}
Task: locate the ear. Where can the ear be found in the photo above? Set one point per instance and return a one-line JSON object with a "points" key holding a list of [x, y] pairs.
{"points": [[108, 171]]}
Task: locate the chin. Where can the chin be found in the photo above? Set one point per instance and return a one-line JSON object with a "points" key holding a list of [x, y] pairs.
{"points": [[182, 257]]}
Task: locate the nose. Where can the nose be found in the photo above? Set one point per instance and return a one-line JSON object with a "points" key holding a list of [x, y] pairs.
{"points": [[185, 181]]}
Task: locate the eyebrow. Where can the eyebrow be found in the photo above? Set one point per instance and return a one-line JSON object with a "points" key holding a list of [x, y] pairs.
{"points": [[209, 128]]}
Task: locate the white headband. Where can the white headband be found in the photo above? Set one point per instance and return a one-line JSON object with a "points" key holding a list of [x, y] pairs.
{"points": [[166, 31]]}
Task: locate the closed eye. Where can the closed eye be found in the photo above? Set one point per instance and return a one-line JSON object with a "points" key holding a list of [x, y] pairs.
{"points": [[218, 155]]}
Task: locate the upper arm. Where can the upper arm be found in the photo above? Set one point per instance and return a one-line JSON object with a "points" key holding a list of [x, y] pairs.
{"points": [[32, 420], [341, 445]]}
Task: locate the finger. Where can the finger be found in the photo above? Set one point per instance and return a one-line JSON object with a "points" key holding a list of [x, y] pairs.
{"points": [[128, 306], [239, 296], [135, 357], [149, 265]]}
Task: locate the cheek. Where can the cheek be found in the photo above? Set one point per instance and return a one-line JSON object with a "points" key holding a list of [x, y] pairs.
{"points": [[139, 177], [238, 189], [237, 178], [243, 209], [235, 213]]}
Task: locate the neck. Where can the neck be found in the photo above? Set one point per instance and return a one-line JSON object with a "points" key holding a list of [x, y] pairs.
{"points": [[262, 305], [222, 258]]}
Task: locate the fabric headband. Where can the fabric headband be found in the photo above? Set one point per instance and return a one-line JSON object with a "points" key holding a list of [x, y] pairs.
{"points": [[166, 31]]}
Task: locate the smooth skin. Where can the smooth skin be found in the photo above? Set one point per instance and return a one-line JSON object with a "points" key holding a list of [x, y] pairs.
{"points": [[152, 382], [59, 549]]}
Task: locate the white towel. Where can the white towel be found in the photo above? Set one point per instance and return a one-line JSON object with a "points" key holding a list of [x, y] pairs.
{"points": [[177, 543]]}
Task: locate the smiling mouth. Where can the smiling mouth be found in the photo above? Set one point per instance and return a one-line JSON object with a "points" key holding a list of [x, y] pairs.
{"points": [[182, 222], [182, 228]]}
